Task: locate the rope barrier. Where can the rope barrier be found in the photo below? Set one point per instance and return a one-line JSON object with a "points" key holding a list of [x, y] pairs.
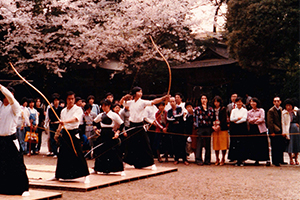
{"points": [[181, 134], [168, 133], [249, 135]]}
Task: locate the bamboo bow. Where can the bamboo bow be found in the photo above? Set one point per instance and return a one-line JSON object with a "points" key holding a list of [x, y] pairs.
{"points": [[48, 104], [170, 75], [169, 68]]}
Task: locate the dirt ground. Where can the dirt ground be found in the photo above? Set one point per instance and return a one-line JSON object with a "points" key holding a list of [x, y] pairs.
{"points": [[198, 182]]}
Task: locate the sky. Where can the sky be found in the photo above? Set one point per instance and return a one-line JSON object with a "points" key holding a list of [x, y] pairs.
{"points": [[206, 12]]}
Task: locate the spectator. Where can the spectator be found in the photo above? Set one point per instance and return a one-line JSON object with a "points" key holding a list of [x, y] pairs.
{"points": [[41, 113], [259, 146], [232, 105], [116, 108], [275, 132], [95, 107], [83, 103], [248, 98], [53, 122], [88, 118], [220, 127], [290, 128], [34, 121], [176, 125], [124, 114], [62, 103], [238, 150], [204, 116], [189, 126], [109, 96], [161, 127], [23, 122], [78, 102]]}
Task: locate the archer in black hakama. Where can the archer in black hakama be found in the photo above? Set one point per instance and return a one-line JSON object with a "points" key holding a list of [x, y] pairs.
{"points": [[108, 157], [70, 166], [138, 152], [13, 177]]}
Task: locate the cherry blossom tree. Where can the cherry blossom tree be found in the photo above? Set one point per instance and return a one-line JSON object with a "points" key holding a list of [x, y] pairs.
{"points": [[58, 34]]}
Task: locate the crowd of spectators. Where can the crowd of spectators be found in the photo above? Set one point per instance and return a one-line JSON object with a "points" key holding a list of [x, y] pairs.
{"points": [[242, 128]]}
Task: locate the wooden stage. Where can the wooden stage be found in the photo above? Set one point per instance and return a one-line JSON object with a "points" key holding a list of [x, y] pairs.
{"points": [[39, 175], [34, 194]]}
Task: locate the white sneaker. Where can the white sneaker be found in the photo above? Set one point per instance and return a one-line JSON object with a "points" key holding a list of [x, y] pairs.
{"points": [[49, 154], [123, 173], [153, 167], [52, 179], [25, 194], [93, 171], [87, 180], [55, 156]]}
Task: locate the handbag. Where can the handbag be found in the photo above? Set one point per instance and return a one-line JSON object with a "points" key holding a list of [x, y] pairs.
{"points": [[31, 137]]}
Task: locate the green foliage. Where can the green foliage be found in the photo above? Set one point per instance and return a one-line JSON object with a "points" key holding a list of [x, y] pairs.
{"points": [[264, 34], [292, 84]]}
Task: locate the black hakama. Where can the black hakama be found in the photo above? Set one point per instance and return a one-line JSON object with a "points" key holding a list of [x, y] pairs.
{"points": [[107, 155], [259, 145], [70, 166], [13, 177], [138, 152], [238, 149]]}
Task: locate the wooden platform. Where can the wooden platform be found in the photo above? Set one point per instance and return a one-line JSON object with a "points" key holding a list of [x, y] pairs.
{"points": [[39, 175], [34, 194]]}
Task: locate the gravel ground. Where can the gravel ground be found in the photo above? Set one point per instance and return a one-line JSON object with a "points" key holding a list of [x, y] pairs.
{"points": [[198, 182]]}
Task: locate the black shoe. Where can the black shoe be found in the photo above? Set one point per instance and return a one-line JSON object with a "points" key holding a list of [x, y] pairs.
{"points": [[256, 163], [199, 163], [268, 164], [283, 163], [276, 164], [239, 163]]}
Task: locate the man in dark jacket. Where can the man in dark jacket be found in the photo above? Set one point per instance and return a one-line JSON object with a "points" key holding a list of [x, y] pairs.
{"points": [[275, 132]]}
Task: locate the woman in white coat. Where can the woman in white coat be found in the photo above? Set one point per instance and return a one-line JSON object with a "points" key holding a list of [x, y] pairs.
{"points": [[290, 128]]}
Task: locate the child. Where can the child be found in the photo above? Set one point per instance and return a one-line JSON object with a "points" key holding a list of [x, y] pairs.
{"points": [[116, 108], [34, 121], [189, 124], [176, 126], [88, 137], [161, 126]]}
